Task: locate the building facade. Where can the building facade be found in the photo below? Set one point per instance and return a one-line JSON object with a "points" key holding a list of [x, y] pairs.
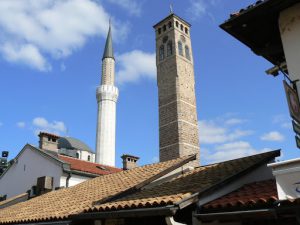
{"points": [[178, 123]]}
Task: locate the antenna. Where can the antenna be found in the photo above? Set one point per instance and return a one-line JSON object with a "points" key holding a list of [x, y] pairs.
{"points": [[171, 8]]}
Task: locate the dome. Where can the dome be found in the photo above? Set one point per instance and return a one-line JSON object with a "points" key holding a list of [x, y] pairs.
{"points": [[72, 143]]}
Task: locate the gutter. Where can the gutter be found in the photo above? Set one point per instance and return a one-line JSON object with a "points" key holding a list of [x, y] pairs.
{"points": [[236, 215], [129, 213], [68, 178], [67, 222]]}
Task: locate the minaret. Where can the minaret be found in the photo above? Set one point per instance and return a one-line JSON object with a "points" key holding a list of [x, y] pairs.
{"points": [[178, 124], [107, 96]]}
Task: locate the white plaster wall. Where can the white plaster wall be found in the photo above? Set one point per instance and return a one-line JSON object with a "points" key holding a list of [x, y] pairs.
{"points": [[107, 133], [289, 25], [106, 125], [75, 179], [84, 156], [24, 173]]}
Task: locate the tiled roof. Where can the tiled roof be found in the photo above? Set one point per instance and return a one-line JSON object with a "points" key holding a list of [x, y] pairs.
{"points": [[88, 167], [13, 199], [186, 185], [60, 204], [257, 193], [249, 7]]}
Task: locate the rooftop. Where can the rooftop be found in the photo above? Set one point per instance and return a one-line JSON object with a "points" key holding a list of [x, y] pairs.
{"points": [[128, 190], [88, 167], [257, 27]]}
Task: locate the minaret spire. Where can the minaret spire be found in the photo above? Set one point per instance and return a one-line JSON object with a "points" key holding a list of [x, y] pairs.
{"points": [[108, 51], [107, 96]]}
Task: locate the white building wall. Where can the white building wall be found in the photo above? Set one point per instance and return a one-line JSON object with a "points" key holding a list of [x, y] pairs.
{"points": [[83, 155], [75, 179], [289, 25], [23, 174], [106, 125]]}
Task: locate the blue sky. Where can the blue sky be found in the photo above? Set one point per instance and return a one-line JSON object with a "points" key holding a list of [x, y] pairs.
{"points": [[50, 66]]}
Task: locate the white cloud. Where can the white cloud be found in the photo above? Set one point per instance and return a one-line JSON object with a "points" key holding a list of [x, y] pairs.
{"points": [[210, 133], [132, 6], [272, 136], [231, 150], [21, 124], [25, 54], [41, 124], [135, 65], [234, 121], [197, 8], [62, 67], [287, 125], [283, 120], [31, 31]]}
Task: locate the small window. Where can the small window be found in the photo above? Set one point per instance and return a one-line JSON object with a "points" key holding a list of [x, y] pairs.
{"points": [[89, 158], [159, 30], [170, 24], [161, 52], [180, 50], [49, 139], [181, 27], [186, 30], [169, 48], [164, 28], [187, 53], [128, 159], [177, 24], [77, 155]]}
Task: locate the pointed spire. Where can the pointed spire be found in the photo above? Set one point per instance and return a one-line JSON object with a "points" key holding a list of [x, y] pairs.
{"points": [[108, 51]]}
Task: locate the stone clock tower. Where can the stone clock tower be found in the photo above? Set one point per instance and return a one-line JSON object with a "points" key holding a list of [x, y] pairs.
{"points": [[178, 123]]}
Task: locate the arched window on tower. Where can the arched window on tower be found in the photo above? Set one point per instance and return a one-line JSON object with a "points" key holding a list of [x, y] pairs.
{"points": [[169, 48], [180, 50], [187, 53], [89, 158], [162, 52]]}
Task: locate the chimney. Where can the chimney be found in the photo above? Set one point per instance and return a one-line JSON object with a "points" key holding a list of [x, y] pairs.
{"points": [[129, 161], [48, 141]]}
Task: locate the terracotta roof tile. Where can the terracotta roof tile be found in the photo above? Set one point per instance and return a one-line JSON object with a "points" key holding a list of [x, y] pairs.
{"points": [[60, 204], [182, 187], [20, 196], [88, 167], [262, 192]]}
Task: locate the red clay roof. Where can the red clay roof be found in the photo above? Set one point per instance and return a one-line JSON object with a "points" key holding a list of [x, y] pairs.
{"points": [[88, 167], [257, 193]]}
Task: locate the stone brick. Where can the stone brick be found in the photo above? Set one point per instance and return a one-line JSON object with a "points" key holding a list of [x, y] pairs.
{"points": [[178, 123]]}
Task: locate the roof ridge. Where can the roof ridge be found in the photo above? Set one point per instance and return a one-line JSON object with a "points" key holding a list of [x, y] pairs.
{"points": [[80, 160], [249, 156]]}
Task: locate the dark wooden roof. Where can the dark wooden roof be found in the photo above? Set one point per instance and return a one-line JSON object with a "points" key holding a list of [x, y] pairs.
{"points": [[257, 27]]}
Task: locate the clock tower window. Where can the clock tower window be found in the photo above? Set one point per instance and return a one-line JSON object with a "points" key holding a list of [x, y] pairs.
{"points": [[161, 52], [180, 50]]}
